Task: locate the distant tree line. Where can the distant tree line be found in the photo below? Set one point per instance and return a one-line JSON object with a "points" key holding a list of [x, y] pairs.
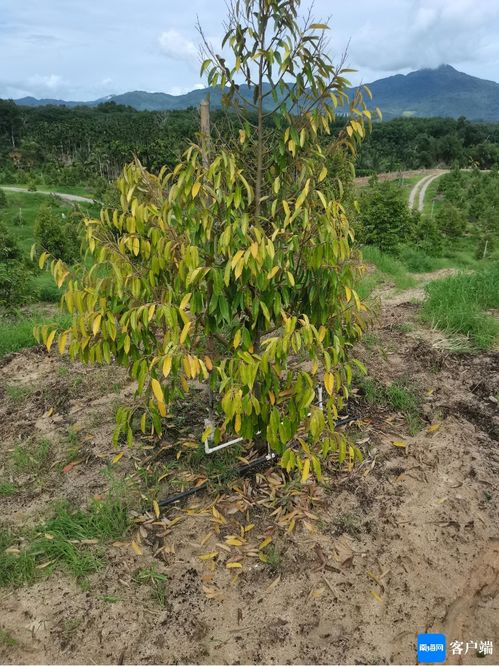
{"points": [[67, 146]]}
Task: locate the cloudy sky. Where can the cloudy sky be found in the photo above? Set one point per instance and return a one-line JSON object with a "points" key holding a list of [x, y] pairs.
{"points": [[84, 49]]}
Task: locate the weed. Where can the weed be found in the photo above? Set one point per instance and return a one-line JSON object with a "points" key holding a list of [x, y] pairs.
{"points": [[7, 639], [62, 542], [110, 598], [370, 340], [18, 394], [17, 332], [7, 488], [458, 304], [31, 455], [399, 395], [347, 523], [156, 580], [389, 266], [272, 558], [405, 327]]}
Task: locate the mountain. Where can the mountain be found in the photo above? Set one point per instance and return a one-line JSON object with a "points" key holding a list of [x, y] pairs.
{"points": [[443, 91], [436, 92]]}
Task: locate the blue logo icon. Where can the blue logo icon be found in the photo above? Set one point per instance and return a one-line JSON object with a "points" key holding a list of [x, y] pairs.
{"points": [[431, 648]]}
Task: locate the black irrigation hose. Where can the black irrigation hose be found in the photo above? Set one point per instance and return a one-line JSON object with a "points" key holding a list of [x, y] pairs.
{"points": [[253, 466]]}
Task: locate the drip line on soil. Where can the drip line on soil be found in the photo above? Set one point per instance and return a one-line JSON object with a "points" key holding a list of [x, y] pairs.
{"points": [[243, 470]]}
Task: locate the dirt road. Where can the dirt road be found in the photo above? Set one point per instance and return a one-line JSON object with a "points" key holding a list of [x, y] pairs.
{"points": [[62, 195], [419, 189]]}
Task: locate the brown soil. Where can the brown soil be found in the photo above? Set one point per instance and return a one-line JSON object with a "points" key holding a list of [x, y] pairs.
{"points": [[406, 543]]}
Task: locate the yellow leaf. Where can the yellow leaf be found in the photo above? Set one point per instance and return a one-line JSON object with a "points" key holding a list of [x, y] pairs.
{"points": [[155, 506], [237, 423], [118, 457], [400, 445], [348, 292], [167, 366], [233, 541], [234, 565], [242, 136], [62, 342], [136, 548], [329, 382], [162, 408], [126, 344], [151, 311], [322, 174], [265, 543], [136, 246], [237, 339], [208, 363], [306, 470], [184, 333], [195, 189], [254, 250], [42, 259], [50, 340], [96, 324], [434, 427], [185, 300], [376, 596], [272, 272], [209, 556], [157, 390], [291, 278]]}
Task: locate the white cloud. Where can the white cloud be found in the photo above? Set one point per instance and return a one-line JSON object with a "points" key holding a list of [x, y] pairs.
{"points": [[183, 90], [178, 47], [431, 33], [48, 82]]}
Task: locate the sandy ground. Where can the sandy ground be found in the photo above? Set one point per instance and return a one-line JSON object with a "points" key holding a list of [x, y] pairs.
{"points": [[407, 543]]}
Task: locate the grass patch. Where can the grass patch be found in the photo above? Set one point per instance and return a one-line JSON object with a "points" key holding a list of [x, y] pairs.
{"points": [[62, 543], [28, 456], [156, 581], [7, 639], [18, 394], [272, 558], [399, 396], [7, 488], [389, 266], [458, 304], [16, 331]]}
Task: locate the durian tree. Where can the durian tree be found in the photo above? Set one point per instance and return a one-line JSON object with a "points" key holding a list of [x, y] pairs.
{"points": [[238, 267]]}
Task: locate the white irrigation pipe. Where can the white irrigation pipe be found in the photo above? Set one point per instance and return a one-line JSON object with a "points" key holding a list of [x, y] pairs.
{"points": [[240, 439]]}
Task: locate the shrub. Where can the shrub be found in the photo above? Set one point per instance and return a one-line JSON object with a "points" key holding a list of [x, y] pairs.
{"points": [[58, 233], [220, 269], [384, 219], [14, 272]]}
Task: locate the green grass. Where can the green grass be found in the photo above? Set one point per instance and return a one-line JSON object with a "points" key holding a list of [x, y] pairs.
{"points": [[156, 581], [458, 304], [16, 330], [389, 266], [399, 396], [7, 639], [57, 544], [18, 394], [31, 455], [7, 488]]}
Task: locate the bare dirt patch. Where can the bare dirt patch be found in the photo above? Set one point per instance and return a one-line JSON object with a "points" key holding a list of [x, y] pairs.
{"points": [[355, 569]]}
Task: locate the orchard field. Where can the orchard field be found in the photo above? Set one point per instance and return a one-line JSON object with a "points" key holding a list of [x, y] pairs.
{"points": [[335, 340]]}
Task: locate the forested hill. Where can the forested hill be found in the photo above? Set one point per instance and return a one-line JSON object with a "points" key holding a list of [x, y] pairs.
{"points": [[441, 92], [425, 93]]}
